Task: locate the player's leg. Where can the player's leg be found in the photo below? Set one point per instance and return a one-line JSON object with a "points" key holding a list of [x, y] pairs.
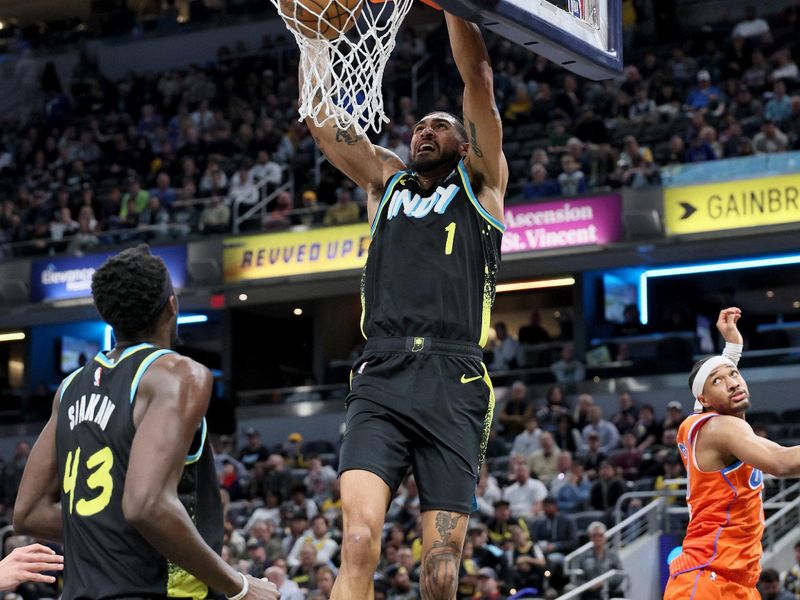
{"points": [[443, 534], [450, 425], [365, 497], [374, 458]]}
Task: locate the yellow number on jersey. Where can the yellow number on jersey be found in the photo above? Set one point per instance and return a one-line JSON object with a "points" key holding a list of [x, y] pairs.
{"points": [[451, 235], [103, 460], [100, 478], [71, 475]]}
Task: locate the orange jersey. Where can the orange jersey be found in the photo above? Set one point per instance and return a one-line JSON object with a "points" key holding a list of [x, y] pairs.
{"points": [[726, 516]]}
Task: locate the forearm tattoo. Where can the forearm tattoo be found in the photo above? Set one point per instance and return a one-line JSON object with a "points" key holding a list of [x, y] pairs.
{"points": [[348, 137]]}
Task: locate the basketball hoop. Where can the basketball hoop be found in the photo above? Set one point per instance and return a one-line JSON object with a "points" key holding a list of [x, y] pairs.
{"points": [[344, 47]]}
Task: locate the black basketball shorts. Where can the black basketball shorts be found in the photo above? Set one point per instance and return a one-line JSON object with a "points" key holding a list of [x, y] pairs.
{"points": [[422, 403]]}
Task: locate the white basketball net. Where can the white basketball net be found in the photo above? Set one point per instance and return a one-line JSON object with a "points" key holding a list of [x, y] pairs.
{"points": [[342, 76]]}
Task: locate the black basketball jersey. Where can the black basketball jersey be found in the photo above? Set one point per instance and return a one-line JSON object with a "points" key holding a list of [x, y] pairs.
{"points": [[432, 262], [104, 556]]}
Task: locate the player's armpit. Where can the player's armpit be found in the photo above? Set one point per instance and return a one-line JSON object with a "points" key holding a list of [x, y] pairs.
{"points": [[734, 436]]}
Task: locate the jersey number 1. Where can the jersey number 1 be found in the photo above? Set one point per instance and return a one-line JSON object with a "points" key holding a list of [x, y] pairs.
{"points": [[451, 236], [100, 478]]}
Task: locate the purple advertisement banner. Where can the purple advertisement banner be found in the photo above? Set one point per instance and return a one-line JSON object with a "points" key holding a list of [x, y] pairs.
{"points": [[563, 223]]}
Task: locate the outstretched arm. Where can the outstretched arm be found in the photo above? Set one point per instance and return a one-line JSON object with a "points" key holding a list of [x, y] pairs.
{"points": [[481, 117], [367, 164], [734, 436]]}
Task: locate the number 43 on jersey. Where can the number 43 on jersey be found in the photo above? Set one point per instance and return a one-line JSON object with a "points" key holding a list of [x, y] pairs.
{"points": [[99, 478]]}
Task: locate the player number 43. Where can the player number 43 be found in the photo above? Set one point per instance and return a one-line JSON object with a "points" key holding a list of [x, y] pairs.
{"points": [[451, 235], [99, 478]]}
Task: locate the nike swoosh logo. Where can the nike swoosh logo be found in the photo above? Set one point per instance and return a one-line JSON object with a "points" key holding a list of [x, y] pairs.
{"points": [[465, 379]]}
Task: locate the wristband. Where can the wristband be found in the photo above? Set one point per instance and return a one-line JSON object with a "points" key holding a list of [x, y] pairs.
{"points": [[733, 351], [243, 592]]}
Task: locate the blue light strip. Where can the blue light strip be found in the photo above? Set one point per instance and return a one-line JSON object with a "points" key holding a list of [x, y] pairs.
{"points": [[734, 265], [182, 320], [192, 319]]}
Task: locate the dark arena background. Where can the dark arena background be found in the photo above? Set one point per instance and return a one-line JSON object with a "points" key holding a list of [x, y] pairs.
{"points": [[647, 191]]}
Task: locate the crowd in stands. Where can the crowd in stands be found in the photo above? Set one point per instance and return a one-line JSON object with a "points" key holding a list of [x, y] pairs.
{"points": [[159, 156], [547, 464], [552, 481]]}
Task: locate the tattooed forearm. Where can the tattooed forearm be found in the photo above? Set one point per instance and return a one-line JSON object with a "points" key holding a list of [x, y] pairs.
{"points": [[347, 136], [473, 140]]}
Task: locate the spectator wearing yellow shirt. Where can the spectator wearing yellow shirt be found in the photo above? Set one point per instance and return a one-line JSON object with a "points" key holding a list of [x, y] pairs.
{"points": [[344, 211], [135, 193]]}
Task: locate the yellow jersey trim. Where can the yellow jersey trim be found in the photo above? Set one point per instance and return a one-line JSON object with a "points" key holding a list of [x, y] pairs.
{"points": [[487, 419], [110, 364]]}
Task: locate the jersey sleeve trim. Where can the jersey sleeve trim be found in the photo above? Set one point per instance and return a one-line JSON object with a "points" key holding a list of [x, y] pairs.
{"points": [[694, 431], [384, 200], [732, 467], [474, 199], [193, 458], [110, 364], [143, 367], [67, 380]]}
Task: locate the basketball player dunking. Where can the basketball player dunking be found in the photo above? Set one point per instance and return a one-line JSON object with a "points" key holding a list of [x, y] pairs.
{"points": [[724, 461], [123, 472], [420, 395]]}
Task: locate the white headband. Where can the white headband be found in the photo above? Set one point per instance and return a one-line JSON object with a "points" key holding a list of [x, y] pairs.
{"points": [[730, 356]]}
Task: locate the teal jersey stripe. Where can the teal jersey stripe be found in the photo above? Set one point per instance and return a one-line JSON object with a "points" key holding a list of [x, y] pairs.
{"points": [[389, 188], [143, 367], [193, 458], [110, 364], [67, 380], [462, 170]]}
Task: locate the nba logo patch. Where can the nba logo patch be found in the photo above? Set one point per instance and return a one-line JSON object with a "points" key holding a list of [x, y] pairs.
{"points": [[684, 452], [98, 372]]}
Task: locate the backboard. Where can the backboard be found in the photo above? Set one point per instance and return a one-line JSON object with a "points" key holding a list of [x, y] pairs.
{"points": [[584, 36]]}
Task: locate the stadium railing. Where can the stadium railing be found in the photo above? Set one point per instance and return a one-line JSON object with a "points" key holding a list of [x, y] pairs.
{"points": [[781, 523], [578, 591], [645, 520], [265, 198]]}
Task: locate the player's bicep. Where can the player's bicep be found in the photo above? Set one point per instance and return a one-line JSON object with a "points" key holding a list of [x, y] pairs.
{"points": [[178, 401], [737, 437], [484, 130]]}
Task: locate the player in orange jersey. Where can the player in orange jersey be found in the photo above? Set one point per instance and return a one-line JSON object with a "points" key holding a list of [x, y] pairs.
{"points": [[724, 462]]}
